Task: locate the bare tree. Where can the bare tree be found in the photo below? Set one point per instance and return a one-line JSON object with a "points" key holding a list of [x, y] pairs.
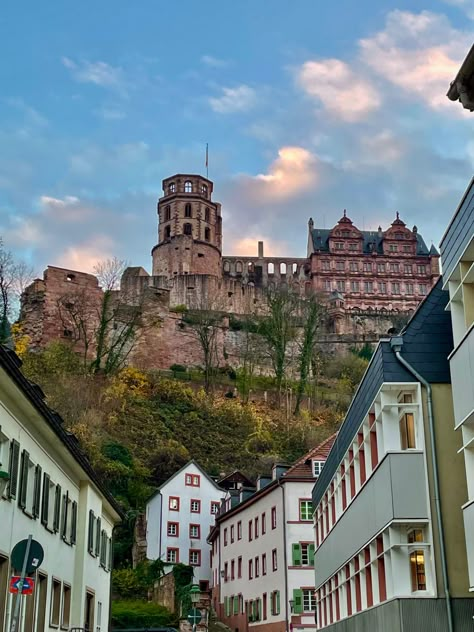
{"points": [[14, 277], [311, 311], [250, 356]]}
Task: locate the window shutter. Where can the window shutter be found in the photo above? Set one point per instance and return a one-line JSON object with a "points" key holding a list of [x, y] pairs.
{"points": [[64, 516], [296, 551], [311, 554], [277, 602], [73, 522], [90, 536], [236, 605], [37, 492], [226, 606], [110, 560], [45, 500], [298, 601], [97, 537], [13, 468], [57, 509], [25, 460]]}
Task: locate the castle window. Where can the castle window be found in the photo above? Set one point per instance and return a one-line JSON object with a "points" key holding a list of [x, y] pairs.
{"points": [[423, 289], [226, 266], [340, 286], [346, 233], [271, 268], [327, 285], [207, 214], [352, 246], [408, 269], [167, 213], [354, 286], [353, 267], [67, 333], [282, 268], [368, 287], [172, 188], [381, 267], [325, 265], [339, 245], [203, 189], [340, 265], [398, 235], [207, 234], [410, 288], [393, 248], [395, 288], [187, 229], [421, 269], [167, 232], [367, 267], [188, 186], [188, 211], [406, 248], [70, 277], [394, 267], [238, 267], [382, 288]]}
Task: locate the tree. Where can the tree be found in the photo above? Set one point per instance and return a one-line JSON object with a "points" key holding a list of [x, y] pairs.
{"points": [[14, 277], [250, 354], [311, 312], [277, 328]]}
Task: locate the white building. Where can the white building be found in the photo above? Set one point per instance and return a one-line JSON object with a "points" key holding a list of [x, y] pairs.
{"points": [[179, 517], [457, 255], [54, 495], [390, 551], [263, 550]]}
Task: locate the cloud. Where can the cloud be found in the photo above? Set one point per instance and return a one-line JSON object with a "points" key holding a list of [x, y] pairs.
{"points": [[99, 73], [248, 246], [342, 92], [31, 115], [464, 5], [214, 62], [418, 53], [85, 256], [238, 99]]}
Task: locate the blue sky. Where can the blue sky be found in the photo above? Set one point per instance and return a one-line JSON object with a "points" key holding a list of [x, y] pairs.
{"points": [[308, 108]]}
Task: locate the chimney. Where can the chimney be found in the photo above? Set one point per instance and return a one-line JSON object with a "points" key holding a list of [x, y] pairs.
{"points": [[263, 481], [278, 470], [260, 249]]}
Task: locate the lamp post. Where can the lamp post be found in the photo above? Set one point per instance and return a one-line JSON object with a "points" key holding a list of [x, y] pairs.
{"points": [[292, 605], [4, 479], [195, 595]]}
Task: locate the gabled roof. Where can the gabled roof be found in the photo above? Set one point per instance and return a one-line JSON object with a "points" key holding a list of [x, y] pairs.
{"points": [[178, 472], [303, 468], [320, 237], [11, 363], [236, 475]]}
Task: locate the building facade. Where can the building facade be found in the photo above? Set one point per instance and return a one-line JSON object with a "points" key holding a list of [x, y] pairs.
{"points": [[263, 550], [179, 516], [390, 551], [53, 495], [457, 250]]}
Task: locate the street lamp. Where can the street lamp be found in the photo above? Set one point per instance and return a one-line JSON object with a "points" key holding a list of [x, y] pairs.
{"points": [[195, 594], [4, 479], [292, 604]]}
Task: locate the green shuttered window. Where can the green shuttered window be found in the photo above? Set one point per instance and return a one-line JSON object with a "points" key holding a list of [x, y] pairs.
{"points": [[297, 601]]}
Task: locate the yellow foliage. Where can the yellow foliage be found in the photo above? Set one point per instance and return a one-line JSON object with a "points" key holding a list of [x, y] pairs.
{"points": [[129, 381], [20, 340]]}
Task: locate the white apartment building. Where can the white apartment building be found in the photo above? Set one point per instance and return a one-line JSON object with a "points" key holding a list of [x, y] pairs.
{"points": [[457, 254], [263, 550], [54, 495], [389, 536], [179, 516]]}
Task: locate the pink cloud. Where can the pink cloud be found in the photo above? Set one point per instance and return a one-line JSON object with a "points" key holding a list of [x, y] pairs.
{"points": [[248, 247]]}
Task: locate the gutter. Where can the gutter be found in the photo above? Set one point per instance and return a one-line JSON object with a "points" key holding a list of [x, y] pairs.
{"points": [[396, 344], [285, 556]]}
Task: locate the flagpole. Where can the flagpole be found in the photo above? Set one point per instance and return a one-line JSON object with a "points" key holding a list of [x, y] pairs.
{"points": [[207, 161]]}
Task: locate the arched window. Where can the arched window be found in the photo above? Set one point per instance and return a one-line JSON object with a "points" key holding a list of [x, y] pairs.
{"points": [[167, 232], [167, 213], [204, 189], [282, 268], [295, 268], [188, 186], [187, 229], [271, 268], [207, 214], [207, 234], [188, 211], [238, 267], [226, 266], [172, 187]]}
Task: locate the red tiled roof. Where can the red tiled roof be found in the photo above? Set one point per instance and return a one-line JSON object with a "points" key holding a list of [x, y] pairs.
{"points": [[303, 468]]}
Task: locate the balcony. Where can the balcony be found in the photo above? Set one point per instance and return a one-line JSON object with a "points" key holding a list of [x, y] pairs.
{"points": [[461, 364], [396, 490]]}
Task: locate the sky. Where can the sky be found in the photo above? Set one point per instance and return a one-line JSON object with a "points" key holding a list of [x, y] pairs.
{"points": [[308, 108]]}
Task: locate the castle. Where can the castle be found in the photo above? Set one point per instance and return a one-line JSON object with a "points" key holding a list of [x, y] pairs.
{"points": [[370, 279]]}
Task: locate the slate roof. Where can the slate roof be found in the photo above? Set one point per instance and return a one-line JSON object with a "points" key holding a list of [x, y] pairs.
{"points": [[320, 238], [427, 342], [235, 476], [302, 468]]}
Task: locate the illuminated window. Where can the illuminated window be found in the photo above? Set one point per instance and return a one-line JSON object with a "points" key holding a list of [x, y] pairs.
{"points": [[174, 503], [188, 186], [172, 187], [306, 510], [417, 562]]}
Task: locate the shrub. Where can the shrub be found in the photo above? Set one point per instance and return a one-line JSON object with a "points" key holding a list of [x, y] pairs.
{"points": [[179, 309], [178, 368], [140, 614]]}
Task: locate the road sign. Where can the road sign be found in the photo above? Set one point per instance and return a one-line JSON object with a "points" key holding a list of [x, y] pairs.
{"points": [[194, 616], [35, 556], [23, 586]]}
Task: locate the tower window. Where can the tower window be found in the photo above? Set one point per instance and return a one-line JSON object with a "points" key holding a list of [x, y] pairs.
{"points": [[207, 214], [167, 232], [188, 211], [187, 229], [204, 189], [167, 213], [207, 234], [188, 186], [172, 188]]}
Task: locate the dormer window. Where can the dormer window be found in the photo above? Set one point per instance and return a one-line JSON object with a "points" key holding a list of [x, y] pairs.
{"points": [[172, 188], [188, 186], [317, 467], [399, 236], [346, 233]]}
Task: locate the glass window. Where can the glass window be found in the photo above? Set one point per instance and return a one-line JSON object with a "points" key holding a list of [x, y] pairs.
{"points": [[203, 189], [408, 269], [423, 289], [339, 245], [327, 285], [172, 187], [325, 265], [410, 288], [353, 267], [195, 506], [340, 265], [393, 248], [317, 467], [394, 267], [421, 269], [188, 186], [274, 517], [382, 288], [417, 570], [407, 431], [174, 503], [395, 288], [173, 528], [194, 557], [239, 530], [381, 267], [341, 286], [194, 531], [306, 510], [215, 507], [309, 600], [354, 286], [188, 211], [172, 556], [367, 267], [368, 287], [274, 560]]}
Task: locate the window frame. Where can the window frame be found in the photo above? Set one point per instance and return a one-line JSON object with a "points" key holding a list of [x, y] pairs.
{"points": [[274, 518], [215, 504], [177, 498], [195, 500], [170, 524], [199, 557], [308, 503], [274, 560], [171, 549]]}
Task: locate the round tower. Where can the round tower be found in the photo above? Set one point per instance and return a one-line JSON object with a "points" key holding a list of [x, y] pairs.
{"points": [[189, 228]]}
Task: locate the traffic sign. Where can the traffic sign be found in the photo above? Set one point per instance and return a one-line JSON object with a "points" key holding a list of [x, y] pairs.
{"points": [[23, 586], [194, 616], [35, 556]]}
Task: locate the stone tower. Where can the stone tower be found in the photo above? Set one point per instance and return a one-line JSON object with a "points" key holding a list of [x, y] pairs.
{"points": [[189, 228]]}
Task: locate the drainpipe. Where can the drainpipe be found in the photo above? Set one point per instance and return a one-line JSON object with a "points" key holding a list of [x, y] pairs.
{"points": [[285, 556], [396, 344]]}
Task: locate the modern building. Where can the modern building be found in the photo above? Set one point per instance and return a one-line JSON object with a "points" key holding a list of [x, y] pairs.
{"points": [[263, 550], [457, 250], [390, 550], [462, 86], [53, 495], [179, 517]]}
